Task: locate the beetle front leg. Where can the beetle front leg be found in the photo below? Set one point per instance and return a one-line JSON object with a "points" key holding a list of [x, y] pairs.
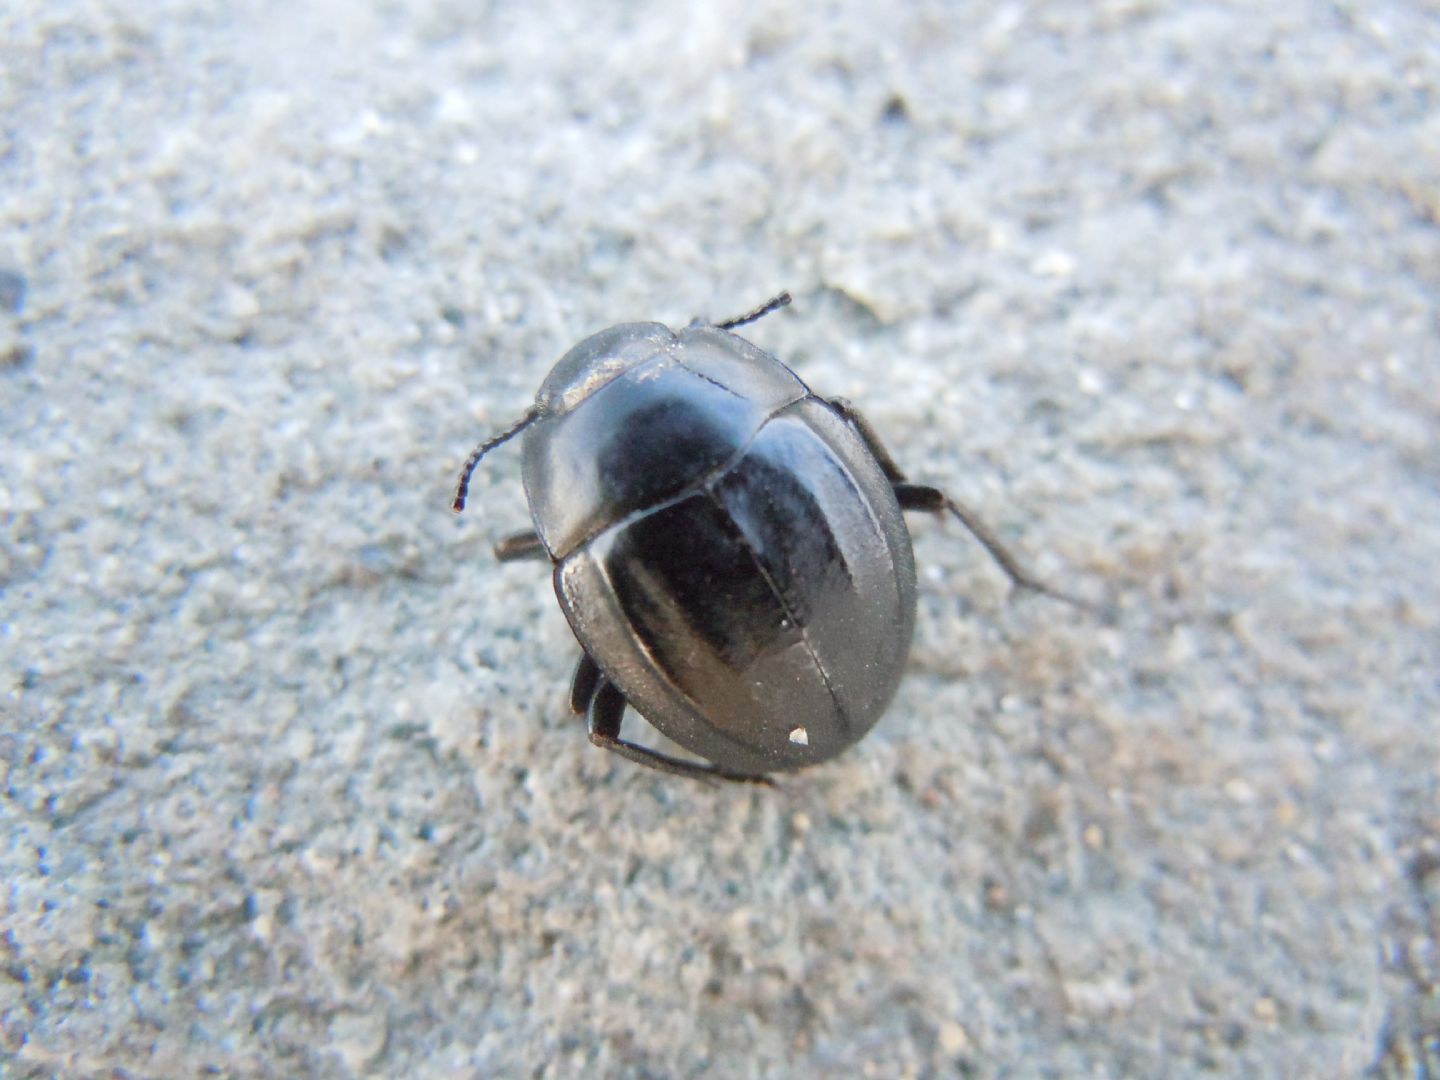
{"points": [[523, 545], [606, 710]]}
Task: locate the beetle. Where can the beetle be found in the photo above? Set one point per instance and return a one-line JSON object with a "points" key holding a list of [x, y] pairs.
{"points": [[728, 547]]}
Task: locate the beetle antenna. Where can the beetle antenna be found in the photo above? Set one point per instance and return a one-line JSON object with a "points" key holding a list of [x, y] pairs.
{"points": [[775, 303], [462, 489]]}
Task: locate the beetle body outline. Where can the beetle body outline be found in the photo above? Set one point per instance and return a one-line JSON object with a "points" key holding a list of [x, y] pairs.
{"points": [[728, 547]]}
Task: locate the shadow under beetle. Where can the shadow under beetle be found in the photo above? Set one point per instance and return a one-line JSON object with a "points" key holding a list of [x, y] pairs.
{"points": [[728, 547]]}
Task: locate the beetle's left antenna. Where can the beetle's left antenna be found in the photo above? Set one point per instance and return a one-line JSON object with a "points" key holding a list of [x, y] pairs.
{"points": [[462, 489]]}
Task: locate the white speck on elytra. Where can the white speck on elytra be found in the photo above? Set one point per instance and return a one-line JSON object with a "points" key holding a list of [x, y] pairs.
{"points": [[800, 736]]}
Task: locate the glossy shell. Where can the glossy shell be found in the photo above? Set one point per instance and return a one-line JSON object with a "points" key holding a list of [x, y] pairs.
{"points": [[726, 547]]}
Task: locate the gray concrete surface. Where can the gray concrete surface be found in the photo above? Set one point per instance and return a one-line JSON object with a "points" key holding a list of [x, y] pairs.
{"points": [[289, 787]]}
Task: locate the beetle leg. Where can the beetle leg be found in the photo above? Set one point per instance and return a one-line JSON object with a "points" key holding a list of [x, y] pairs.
{"points": [[607, 708], [523, 545], [871, 438], [583, 685], [933, 500]]}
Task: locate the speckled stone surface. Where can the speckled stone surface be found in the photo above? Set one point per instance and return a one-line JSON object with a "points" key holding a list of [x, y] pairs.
{"points": [[287, 782]]}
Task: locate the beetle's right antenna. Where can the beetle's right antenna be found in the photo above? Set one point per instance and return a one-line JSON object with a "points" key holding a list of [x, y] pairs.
{"points": [[462, 489], [775, 303]]}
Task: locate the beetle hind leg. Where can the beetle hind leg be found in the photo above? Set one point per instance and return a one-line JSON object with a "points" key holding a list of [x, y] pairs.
{"points": [[604, 708]]}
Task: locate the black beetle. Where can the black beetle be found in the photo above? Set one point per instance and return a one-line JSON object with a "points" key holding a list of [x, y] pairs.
{"points": [[728, 547]]}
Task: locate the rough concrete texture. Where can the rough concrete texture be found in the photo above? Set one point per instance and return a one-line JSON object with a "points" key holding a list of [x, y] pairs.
{"points": [[289, 785]]}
